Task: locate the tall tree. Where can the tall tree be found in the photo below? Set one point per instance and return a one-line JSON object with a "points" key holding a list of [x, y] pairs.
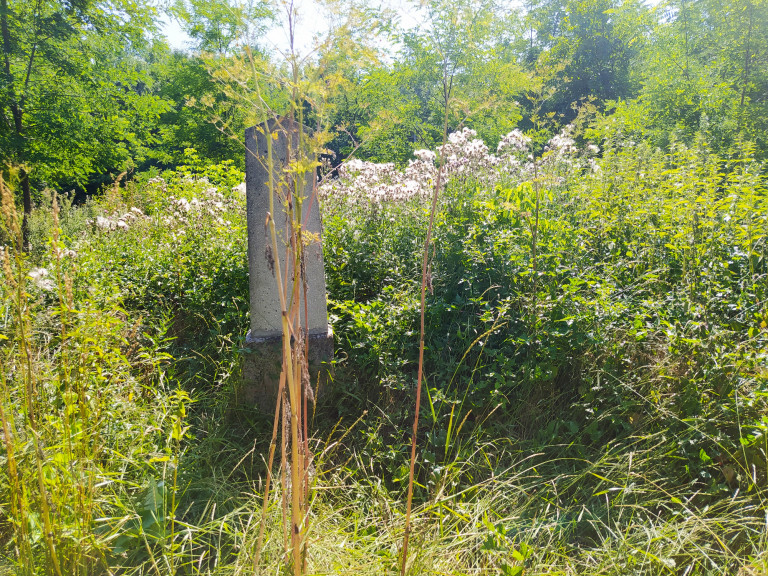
{"points": [[60, 87], [461, 53], [587, 49], [705, 75]]}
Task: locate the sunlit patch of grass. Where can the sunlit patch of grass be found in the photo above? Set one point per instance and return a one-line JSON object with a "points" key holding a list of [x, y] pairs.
{"points": [[543, 513]]}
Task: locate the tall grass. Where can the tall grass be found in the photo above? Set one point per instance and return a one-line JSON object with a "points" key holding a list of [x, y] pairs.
{"points": [[94, 424]]}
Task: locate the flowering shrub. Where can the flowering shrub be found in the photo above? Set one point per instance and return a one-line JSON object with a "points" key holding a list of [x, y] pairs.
{"points": [[170, 244], [465, 157], [563, 160], [117, 221], [563, 301]]}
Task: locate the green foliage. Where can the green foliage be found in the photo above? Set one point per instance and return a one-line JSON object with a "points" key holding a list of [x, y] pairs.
{"points": [[628, 300], [595, 394], [70, 98], [701, 77], [183, 81], [608, 399], [84, 406], [583, 49], [390, 111], [122, 319], [216, 26], [87, 95]]}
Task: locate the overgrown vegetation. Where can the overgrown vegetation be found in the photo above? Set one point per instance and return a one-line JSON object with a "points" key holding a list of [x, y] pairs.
{"points": [[595, 387], [595, 366]]}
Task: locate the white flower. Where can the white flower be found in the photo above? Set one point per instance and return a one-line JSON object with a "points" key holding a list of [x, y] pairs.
{"points": [[354, 165], [425, 155], [515, 141], [39, 277], [103, 223], [37, 273]]}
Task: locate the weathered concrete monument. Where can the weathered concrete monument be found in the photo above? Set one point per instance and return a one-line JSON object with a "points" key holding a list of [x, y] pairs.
{"points": [[263, 357]]}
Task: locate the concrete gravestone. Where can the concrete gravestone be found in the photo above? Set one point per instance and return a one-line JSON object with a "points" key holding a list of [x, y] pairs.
{"points": [[262, 361]]}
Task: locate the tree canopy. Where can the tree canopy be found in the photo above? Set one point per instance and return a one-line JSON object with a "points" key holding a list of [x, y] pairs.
{"points": [[90, 89]]}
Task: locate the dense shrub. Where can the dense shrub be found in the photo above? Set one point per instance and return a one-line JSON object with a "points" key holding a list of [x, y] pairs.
{"points": [[577, 301]]}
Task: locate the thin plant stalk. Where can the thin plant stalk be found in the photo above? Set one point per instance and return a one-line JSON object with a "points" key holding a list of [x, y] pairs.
{"points": [[290, 282], [270, 461], [289, 367], [534, 249], [420, 377], [290, 346]]}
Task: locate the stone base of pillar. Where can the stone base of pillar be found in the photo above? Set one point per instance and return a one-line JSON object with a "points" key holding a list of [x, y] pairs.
{"points": [[262, 362]]}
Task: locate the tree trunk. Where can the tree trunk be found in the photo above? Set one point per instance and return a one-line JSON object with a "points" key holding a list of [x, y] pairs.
{"points": [[18, 120]]}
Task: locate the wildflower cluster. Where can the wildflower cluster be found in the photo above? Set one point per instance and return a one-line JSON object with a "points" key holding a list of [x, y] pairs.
{"points": [[369, 182], [561, 159], [200, 201], [514, 153], [465, 157], [514, 143], [40, 278], [185, 211], [117, 221]]}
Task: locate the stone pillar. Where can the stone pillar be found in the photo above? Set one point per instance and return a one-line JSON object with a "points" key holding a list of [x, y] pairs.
{"points": [[263, 356]]}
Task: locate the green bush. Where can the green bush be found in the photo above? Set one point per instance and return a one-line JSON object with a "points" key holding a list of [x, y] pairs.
{"points": [[634, 299]]}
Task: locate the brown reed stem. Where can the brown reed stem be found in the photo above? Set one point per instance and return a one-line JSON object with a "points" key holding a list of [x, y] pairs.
{"points": [[424, 265], [270, 461]]}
